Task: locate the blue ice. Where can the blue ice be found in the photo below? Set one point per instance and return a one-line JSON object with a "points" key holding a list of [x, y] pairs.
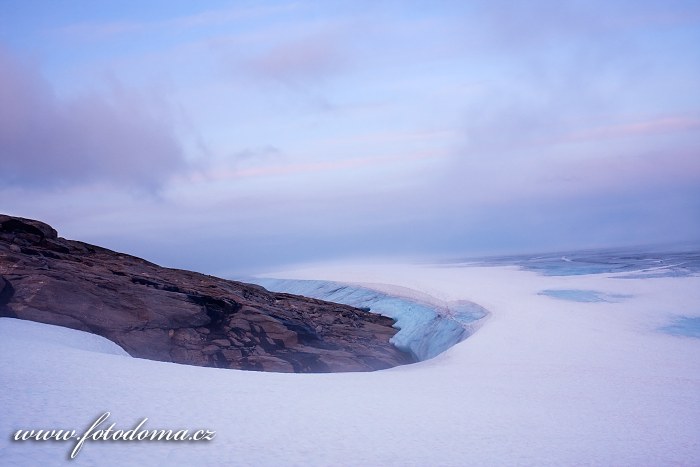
{"points": [[424, 331], [579, 295], [684, 326]]}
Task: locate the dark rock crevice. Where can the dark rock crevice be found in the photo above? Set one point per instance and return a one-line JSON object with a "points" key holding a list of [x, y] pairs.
{"points": [[6, 293]]}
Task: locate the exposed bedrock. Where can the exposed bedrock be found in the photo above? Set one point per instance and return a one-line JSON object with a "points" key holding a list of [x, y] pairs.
{"points": [[182, 316]]}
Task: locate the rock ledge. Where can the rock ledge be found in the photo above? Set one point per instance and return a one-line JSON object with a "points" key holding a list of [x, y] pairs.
{"points": [[182, 316]]}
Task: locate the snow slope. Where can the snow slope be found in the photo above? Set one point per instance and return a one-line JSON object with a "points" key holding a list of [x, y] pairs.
{"points": [[545, 381]]}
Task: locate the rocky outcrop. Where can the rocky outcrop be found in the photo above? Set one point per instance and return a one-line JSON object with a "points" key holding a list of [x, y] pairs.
{"points": [[181, 316]]}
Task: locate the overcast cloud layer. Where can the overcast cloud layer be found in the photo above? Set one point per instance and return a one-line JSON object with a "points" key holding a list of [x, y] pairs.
{"points": [[230, 136]]}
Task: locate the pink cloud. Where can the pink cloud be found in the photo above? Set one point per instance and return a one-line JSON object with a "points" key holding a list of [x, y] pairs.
{"points": [[336, 165], [300, 59], [640, 128]]}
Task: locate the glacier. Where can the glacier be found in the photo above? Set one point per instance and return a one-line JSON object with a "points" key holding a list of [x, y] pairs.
{"points": [[543, 382], [425, 330]]}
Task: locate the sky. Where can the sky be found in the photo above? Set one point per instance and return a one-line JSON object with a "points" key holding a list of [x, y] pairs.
{"points": [[231, 137]]}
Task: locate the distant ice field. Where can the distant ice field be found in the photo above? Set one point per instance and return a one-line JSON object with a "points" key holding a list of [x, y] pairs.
{"points": [[619, 263], [631, 263]]}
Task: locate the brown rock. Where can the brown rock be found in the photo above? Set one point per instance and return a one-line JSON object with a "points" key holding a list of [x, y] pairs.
{"points": [[181, 316], [232, 354]]}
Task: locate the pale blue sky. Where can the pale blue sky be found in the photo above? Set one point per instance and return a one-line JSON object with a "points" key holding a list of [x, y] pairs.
{"points": [[234, 136]]}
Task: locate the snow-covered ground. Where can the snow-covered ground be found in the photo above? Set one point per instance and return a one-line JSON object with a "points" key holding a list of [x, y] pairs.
{"points": [[547, 380]]}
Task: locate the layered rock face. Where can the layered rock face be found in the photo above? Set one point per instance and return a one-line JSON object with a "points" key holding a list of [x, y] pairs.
{"points": [[181, 316]]}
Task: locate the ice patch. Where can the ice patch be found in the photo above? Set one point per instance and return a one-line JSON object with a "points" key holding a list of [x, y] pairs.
{"points": [[684, 326], [585, 296]]}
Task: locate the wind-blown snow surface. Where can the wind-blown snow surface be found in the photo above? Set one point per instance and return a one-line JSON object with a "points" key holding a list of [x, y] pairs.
{"points": [[545, 381]]}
